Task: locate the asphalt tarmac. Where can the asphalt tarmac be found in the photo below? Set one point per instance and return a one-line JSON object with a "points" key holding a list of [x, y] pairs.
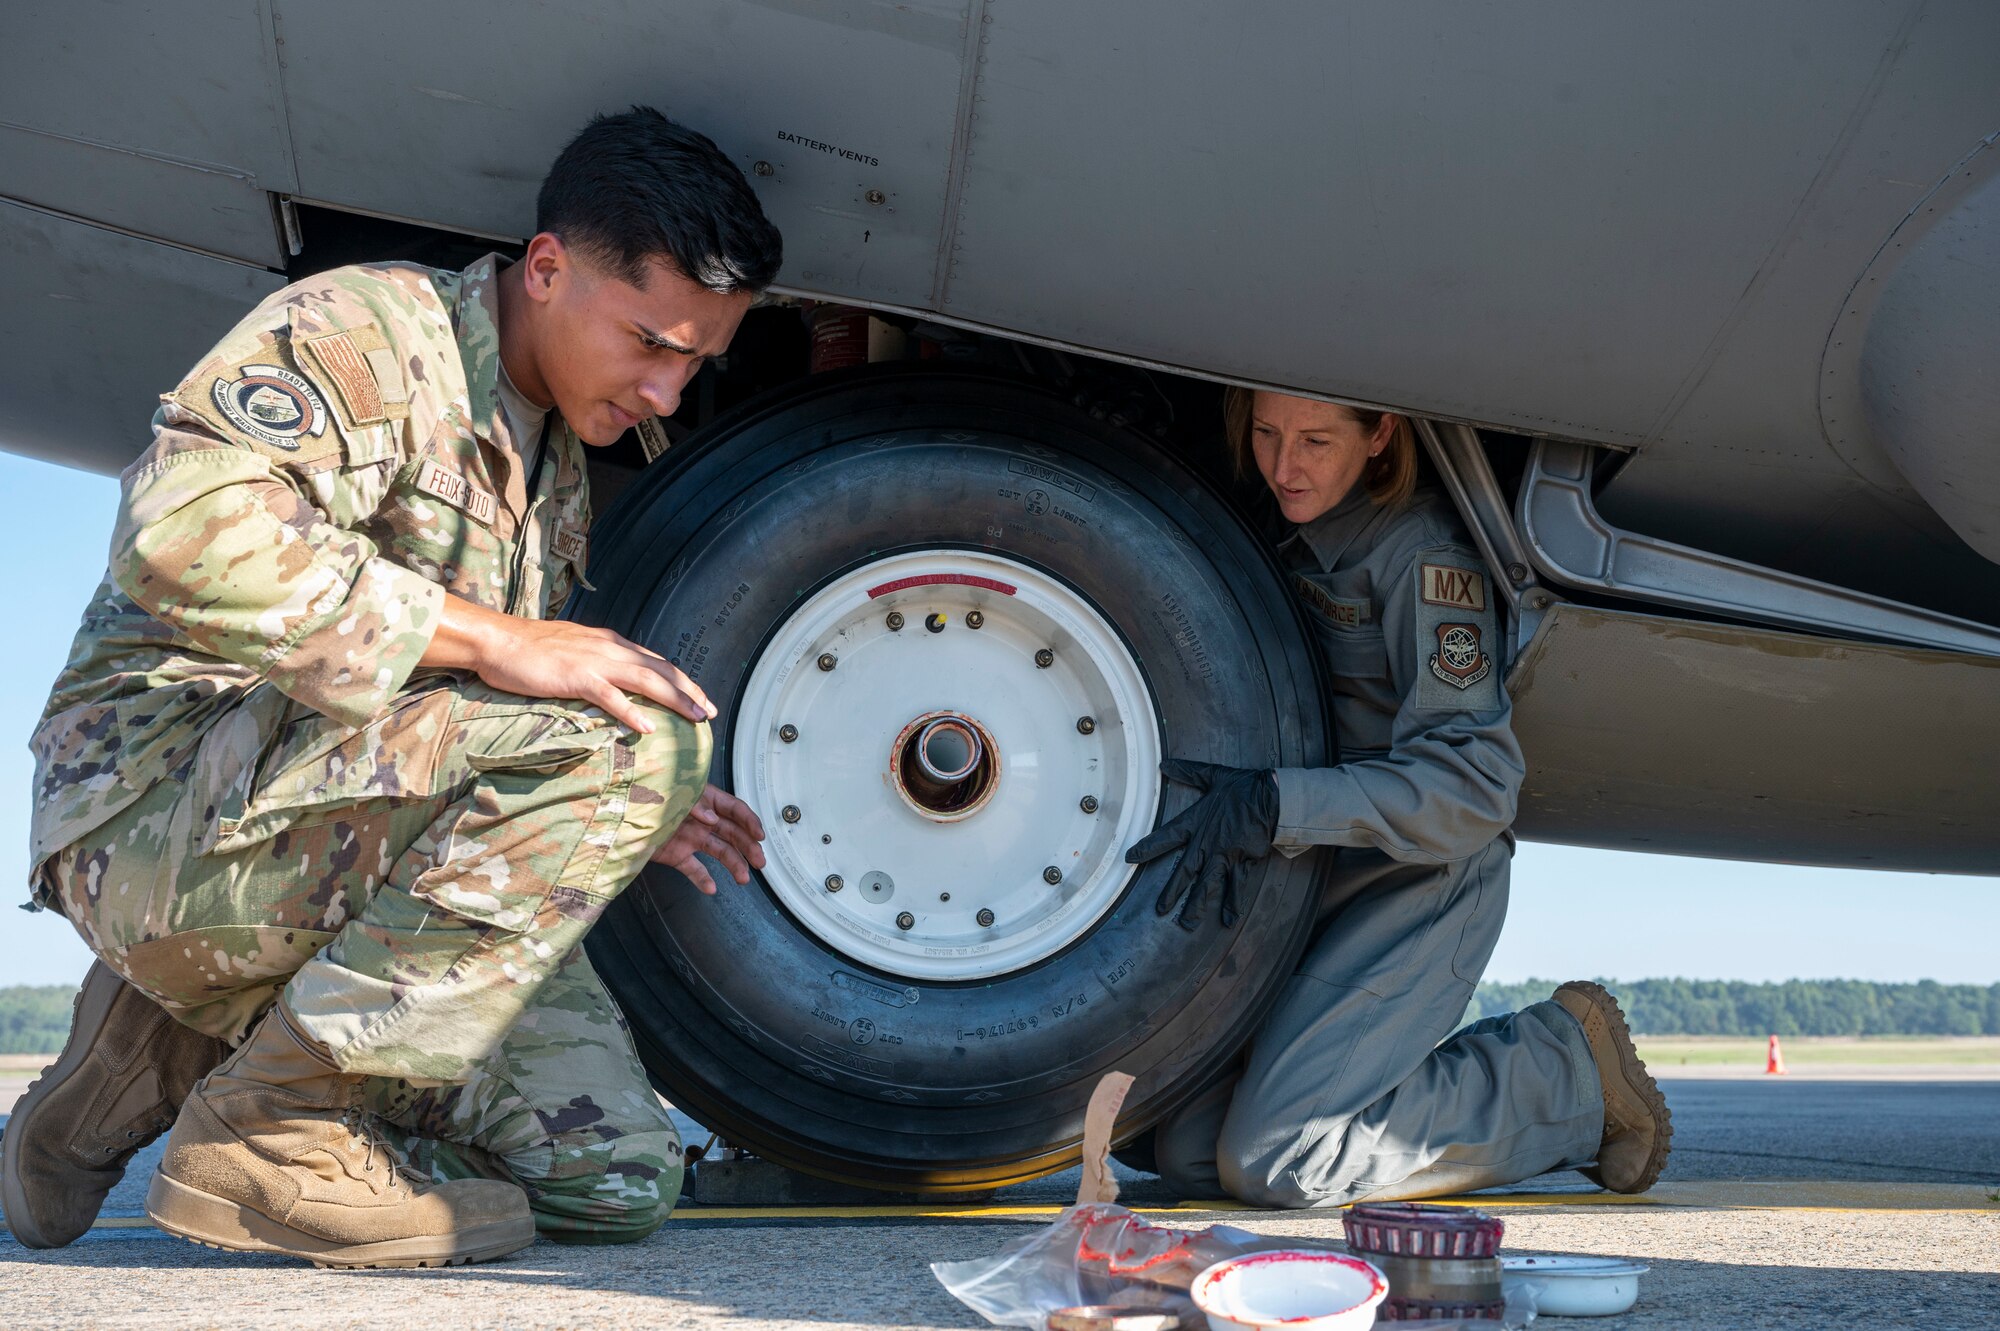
{"points": [[1786, 1204]]}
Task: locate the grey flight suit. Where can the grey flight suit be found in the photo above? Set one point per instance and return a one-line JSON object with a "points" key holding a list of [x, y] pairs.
{"points": [[1352, 1089]]}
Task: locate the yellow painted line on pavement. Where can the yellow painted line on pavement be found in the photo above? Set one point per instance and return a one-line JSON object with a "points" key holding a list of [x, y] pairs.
{"points": [[1778, 1195], [108, 1222], [1830, 1195], [1802, 1195], [692, 1212]]}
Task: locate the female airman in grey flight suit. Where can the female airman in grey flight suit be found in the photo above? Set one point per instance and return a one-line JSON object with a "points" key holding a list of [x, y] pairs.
{"points": [[1356, 1087]]}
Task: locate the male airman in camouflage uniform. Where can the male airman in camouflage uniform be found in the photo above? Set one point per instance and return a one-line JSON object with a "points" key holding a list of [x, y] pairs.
{"points": [[322, 781]]}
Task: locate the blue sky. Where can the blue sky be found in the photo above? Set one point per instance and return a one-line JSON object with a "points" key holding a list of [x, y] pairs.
{"points": [[1574, 912]]}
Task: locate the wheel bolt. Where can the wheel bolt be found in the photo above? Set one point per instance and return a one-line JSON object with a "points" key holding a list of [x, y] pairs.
{"points": [[790, 813], [974, 620], [895, 621], [1088, 804], [934, 622], [827, 660], [1045, 658], [1085, 725], [906, 921], [1052, 875], [834, 882], [985, 918], [788, 733]]}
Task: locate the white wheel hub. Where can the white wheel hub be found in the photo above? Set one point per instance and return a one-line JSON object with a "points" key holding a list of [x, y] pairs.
{"points": [[950, 752]]}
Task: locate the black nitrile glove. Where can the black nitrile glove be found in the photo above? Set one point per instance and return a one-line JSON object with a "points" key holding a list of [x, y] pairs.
{"points": [[1223, 831]]}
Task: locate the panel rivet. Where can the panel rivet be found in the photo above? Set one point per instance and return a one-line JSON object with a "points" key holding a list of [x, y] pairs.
{"points": [[834, 882], [895, 621], [788, 733], [790, 813], [827, 660], [1086, 725], [975, 620], [1088, 804], [985, 918], [944, 896], [906, 921], [1045, 658], [1052, 875]]}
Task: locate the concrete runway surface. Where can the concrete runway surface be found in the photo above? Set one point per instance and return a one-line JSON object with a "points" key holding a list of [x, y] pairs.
{"points": [[1786, 1204]]}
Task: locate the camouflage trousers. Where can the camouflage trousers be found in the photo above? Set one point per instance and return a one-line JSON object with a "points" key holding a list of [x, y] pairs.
{"points": [[417, 890]]}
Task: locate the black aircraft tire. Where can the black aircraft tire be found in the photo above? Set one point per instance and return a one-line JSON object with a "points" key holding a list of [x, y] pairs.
{"points": [[746, 1019]]}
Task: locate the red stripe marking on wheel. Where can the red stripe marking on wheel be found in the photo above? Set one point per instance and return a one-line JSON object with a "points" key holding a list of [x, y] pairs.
{"points": [[941, 580]]}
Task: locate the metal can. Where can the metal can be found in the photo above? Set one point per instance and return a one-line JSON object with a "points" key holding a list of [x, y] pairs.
{"points": [[1441, 1261]]}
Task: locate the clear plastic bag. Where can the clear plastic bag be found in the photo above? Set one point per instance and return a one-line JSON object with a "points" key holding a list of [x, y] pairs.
{"points": [[1093, 1254]]}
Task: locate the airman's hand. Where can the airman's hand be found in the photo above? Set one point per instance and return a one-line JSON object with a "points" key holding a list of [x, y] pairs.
{"points": [[557, 659], [721, 827], [1218, 836]]}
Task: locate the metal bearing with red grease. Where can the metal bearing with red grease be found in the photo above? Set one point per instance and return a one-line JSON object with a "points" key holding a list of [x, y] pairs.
{"points": [[1441, 1261]]}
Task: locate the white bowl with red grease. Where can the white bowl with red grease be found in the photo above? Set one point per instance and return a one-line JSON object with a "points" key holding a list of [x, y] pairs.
{"points": [[1292, 1289]]}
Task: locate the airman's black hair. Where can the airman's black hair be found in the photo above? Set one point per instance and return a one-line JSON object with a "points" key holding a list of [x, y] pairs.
{"points": [[635, 187]]}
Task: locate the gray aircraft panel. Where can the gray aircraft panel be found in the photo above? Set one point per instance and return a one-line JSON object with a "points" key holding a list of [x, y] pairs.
{"points": [[131, 317], [452, 117], [1932, 397], [1750, 417], [1634, 224], [221, 211], [1425, 204], [1650, 733], [194, 82]]}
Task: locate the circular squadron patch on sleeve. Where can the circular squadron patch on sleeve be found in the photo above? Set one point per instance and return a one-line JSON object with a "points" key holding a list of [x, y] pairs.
{"points": [[271, 403]]}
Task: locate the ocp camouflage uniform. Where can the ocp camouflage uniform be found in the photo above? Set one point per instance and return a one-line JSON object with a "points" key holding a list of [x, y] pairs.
{"points": [[244, 784]]}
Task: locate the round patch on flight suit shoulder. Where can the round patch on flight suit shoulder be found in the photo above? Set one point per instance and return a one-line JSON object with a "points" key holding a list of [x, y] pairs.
{"points": [[271, 403], [1459, 660]]}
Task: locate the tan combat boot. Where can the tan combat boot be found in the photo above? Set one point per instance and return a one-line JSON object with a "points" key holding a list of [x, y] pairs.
{"points": [[1638, 1130], [273, 1153], [115, 1087]]}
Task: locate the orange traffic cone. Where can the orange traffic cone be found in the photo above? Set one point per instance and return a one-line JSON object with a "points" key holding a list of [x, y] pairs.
{"points": [[1774, 1060]]}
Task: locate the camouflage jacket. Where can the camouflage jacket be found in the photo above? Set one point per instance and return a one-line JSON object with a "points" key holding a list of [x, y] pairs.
{"points": [[326, 474]]}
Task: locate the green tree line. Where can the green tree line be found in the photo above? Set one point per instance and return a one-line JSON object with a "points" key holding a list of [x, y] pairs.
{"points": [[34, 1020], [1792, 1007]]}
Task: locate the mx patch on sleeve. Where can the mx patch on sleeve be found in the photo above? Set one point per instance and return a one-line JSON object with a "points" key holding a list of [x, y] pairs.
{"points": [[1458, 633]]}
